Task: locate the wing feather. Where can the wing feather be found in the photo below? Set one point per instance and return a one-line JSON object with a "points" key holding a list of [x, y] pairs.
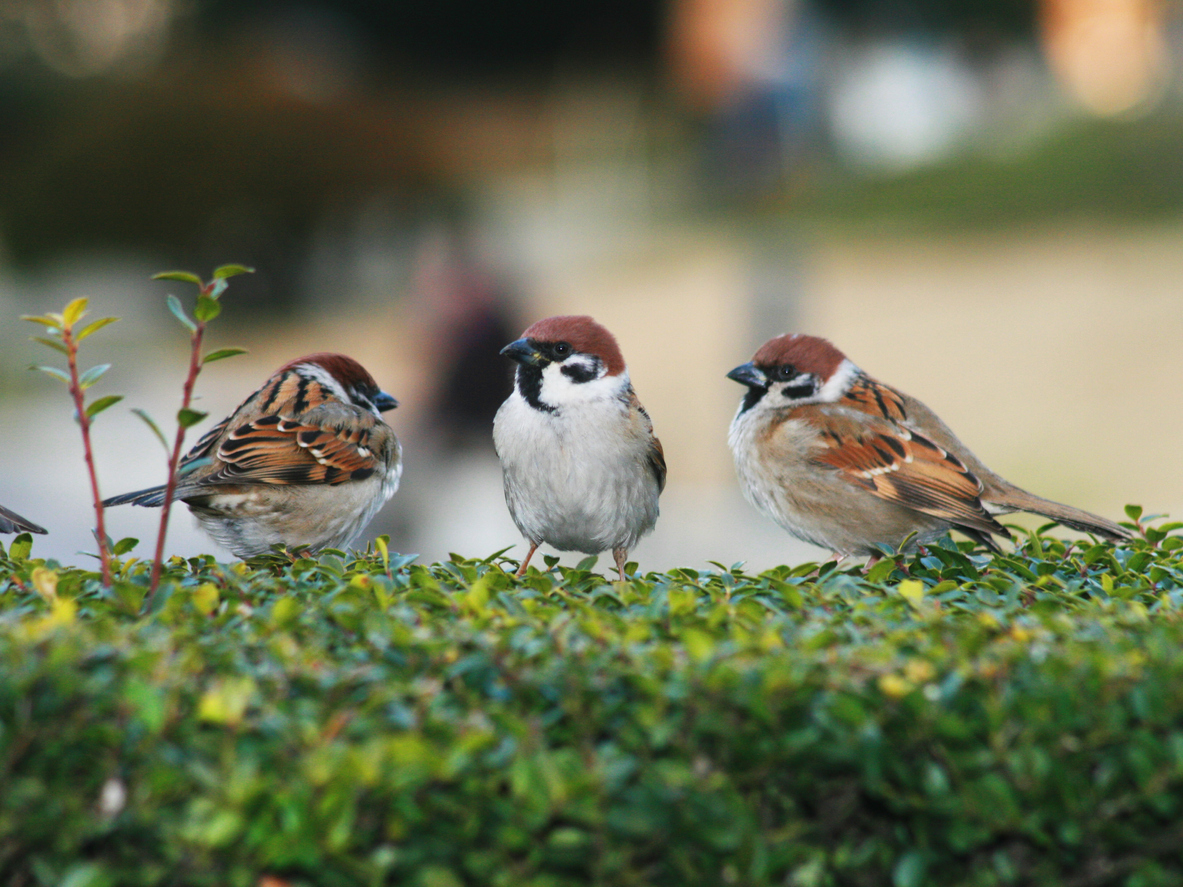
{"points": [[900, 465]]}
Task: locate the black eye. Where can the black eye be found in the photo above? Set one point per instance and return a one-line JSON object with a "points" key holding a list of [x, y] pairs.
{"points": [[785, 373], [562, 349]]}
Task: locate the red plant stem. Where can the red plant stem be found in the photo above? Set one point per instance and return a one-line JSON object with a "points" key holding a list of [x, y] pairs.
{"points": [[175, 459], [84, 423]]}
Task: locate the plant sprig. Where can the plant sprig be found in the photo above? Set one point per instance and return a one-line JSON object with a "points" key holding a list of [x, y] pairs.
{"points": [[207, 308], [62, 337]]}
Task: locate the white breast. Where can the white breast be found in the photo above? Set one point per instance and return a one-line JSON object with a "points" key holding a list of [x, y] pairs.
{"points": [[578, 479]]}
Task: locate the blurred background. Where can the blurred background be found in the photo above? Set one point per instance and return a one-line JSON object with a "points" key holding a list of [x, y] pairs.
{"points": [[979, 201]]}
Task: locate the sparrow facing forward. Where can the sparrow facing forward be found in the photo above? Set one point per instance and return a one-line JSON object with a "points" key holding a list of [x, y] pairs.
{"points": [[847, 463], [306, 461], [581, 467], [11, 522]]}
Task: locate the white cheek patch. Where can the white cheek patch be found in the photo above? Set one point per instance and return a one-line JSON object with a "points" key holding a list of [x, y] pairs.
{"points": [[838, 384], [561, 389]]}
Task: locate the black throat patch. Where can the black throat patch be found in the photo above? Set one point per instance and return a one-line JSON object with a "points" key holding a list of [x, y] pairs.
{"points": [[752, 398], [529, 382]]}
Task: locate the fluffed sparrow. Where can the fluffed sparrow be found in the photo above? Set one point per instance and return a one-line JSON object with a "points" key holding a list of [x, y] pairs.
{"points": [[11, 522], [848, 463], [581, 467], [305, 461]]}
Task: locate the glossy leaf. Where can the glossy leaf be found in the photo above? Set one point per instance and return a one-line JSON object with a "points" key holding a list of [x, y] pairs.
{"points": [[188, 418], [174, 305], [74, 312], [92, 375], [222, 354], [94, 327], [56, 372], [148, 420], [52, 321], [97, 406], [183, 276], [224, 271], [55, 344], [207, 309]]}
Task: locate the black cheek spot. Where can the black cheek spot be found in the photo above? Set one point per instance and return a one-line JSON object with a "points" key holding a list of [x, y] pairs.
{"points": [[799, 391], [578, 372], [361, 473]]}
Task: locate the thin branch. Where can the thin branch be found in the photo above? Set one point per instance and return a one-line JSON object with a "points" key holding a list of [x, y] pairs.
{"points": [[175, 458], [84, 422]]}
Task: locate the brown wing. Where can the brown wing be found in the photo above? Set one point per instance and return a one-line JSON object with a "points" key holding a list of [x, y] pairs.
{"points": [[657, 463], [900, 465], [274, 450], [301, 433], [655, 456], [875, 398]]}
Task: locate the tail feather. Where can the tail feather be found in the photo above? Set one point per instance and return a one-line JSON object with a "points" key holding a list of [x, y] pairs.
{"points": [[1074, 518], [153, 497], [11, 522]]}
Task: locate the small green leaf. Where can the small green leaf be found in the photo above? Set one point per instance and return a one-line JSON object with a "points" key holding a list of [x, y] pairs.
{"points": [[222, 354], [53, 321], [151, 424], [74, 312], [183, 276], [187, 418], [55, 372], [231, 271], [123, 546], [207, 308], [92, 375], [20, 547], [101, 404], [52, 343], [174, 305], [1133, 512], [94, 327]]}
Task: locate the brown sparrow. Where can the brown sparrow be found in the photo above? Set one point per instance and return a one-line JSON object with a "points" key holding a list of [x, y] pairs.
{"points": [[305, 461], [11, 522], [847, 463], [581, 467]]}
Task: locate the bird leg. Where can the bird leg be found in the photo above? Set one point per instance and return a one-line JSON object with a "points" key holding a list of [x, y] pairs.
{"points": [[525, 563], [620, 554]]}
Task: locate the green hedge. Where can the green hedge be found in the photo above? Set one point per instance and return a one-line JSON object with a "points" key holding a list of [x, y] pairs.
{"points": [[946, 718]]}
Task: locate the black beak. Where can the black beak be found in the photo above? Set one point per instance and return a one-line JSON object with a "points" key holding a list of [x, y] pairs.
{"points": [[749, 374], [524, 353], [384, 402]]}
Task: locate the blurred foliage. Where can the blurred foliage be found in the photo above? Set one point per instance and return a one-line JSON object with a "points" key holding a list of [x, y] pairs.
{"points": [[948, 717], [1088, 170]]}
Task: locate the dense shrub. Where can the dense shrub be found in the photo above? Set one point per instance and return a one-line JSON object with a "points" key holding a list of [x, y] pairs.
{"points": [[945, 718]]}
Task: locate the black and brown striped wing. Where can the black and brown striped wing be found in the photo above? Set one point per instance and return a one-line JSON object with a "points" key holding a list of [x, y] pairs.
{"points": [[900, 465], [274, 450]]}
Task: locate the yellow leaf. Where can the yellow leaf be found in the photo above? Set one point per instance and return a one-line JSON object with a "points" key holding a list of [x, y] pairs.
{"points": [[73, 312], [226, 701], [45, 581], [912, 591], [919, 671], [894, 686], [205, 598]]}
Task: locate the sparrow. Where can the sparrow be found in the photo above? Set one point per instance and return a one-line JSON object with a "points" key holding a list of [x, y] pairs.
{"points": [[11, 522], [306, 461], [848, 463], [581, 467]]}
